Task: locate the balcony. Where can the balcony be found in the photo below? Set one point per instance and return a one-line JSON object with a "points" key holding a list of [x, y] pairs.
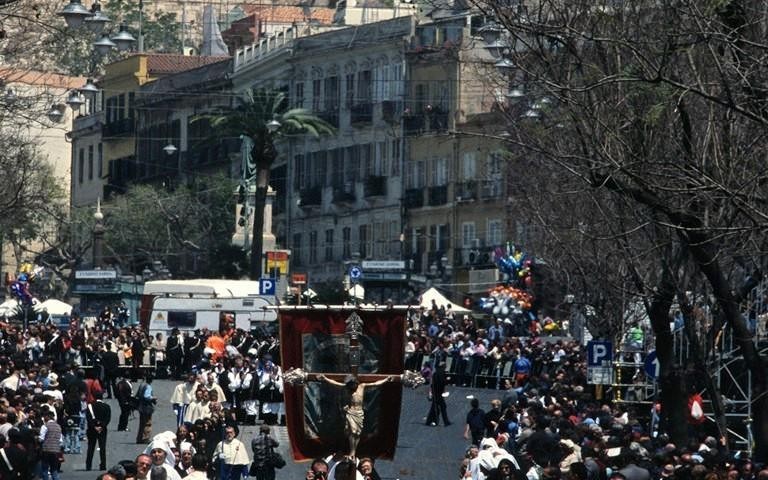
{"points": [[390, 111], [413, 124], [361, 113], [330, 116], [414, 198], [438, 121], [490, 189], [474, 256], [310, 197], [120, 127], [438, 195], [376, 186], [466, 191], [344, 194]]}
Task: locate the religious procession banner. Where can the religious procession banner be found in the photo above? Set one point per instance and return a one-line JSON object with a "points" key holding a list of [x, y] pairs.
{"points": [[340, 344]]}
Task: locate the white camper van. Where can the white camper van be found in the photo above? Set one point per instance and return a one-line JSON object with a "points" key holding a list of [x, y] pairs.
{"points": [[196, 304]]}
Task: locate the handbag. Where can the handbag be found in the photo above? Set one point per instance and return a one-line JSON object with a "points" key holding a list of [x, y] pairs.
{"points": [[275, 460]]}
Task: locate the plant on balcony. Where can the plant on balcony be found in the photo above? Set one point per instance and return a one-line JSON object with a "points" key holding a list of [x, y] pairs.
{"points": [[264, 116]]}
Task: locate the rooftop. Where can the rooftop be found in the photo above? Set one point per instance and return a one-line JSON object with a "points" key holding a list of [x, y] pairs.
{"points": [[165, 63], [34, 77]]}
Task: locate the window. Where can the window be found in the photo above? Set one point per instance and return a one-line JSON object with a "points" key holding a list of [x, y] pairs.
{"points": [[396, 75], [439, 172], [312, 247], [395, 156], [296, 249], [380, 234], [331, 94], [346, 242], [316, 92], [352, 164], [300, 172], [90, 162], [181, 319], [81, 165], [100, 161], [384, 81], [468, 234], [319, 165], [394, 235], [350, 90], [365, 241], [494, 233], [366, 160], [365, 87], [299, 98], [329, 245], [469, 166]]}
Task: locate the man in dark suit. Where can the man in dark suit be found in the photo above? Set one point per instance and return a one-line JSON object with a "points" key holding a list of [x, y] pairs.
{"points": [[437, 388], [124, 396], [174, 352], [98, 416], [111, 364]]}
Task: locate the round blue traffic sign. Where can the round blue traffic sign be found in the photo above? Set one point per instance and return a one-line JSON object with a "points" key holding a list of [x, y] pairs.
{"points": [[651, 365], [355, 272]]}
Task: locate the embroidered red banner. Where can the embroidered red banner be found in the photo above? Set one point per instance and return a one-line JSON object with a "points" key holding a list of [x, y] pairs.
{"points": [[315, 340]]}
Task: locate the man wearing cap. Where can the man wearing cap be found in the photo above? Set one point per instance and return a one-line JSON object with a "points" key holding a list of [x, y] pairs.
{"points": [[232, 455], [50, 440]]}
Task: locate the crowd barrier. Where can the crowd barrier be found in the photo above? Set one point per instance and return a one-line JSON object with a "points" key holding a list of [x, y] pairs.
{"points": [[477, 372]]}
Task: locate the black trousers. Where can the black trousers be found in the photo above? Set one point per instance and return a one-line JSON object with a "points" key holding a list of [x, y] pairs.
{"points": [[93, 439], [437, 409], [144, 433], [125, 412]]}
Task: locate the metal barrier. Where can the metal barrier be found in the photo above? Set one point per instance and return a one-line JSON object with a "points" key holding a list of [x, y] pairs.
{"points": [[477, 372]]}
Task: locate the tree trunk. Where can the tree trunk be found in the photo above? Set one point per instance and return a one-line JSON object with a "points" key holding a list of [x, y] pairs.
{"points": [[702, 251], [670, 381], [257, 240]]}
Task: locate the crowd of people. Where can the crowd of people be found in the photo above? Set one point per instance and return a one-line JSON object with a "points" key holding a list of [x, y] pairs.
{"points": [[546, 422], [53, 383]]}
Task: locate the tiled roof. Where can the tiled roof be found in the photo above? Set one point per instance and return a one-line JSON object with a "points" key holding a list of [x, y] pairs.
{"points": [[286, 14], [34, 77], [165, 63]]}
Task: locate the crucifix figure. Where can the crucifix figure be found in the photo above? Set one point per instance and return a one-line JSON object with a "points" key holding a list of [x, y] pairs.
{"points": [[355, 384]]}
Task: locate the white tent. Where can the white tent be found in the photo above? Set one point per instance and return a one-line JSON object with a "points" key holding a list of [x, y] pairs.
{"points": [[54, 307], [440, 300]]}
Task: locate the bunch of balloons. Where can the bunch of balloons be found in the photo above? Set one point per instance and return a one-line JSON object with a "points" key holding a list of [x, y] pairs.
{"points": [[515, 266], [504, 301], [20, 287]]}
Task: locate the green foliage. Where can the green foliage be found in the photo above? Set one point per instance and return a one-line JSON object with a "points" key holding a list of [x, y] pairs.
{"points": [[161, 31], [189, 229]]}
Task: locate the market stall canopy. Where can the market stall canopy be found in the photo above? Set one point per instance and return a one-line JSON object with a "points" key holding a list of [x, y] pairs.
{"points": [[54, 307], [440, 300]]}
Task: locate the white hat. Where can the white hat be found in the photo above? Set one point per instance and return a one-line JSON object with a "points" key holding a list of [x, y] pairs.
{"points": [[55, 394]]}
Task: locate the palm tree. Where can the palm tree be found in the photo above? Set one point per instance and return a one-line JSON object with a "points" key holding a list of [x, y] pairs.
{"points": [[265, 117]]}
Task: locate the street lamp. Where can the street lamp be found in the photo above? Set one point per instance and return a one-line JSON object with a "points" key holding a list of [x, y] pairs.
{"points": [[170, 149], [74, 13], [75, 100], [55, 114], [123, 39], [104, 44], [89, 88], [273, 125], [98, 20]]}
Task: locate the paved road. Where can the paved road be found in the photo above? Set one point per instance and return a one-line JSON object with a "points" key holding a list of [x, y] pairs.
{"points": [[422, 452]]}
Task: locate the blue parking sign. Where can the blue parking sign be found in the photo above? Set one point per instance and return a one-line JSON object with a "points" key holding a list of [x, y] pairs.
{"points": [[599, 354], [267, 286]]}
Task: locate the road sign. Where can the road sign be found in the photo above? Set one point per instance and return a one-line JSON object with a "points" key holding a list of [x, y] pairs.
{"points": [[599, 354], [651, 365], [599, 363], [299, 278], [267, 286], [355, 272]]}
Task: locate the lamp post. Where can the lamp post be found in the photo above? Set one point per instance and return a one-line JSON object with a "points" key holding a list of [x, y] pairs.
{"points": [[98, 236]]}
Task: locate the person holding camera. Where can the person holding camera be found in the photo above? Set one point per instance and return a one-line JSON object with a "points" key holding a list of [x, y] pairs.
{"points": [[318, 470], [98, 416]]}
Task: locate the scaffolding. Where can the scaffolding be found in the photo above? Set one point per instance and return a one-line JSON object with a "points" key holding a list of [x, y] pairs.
{"points": [[724, 362]]}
